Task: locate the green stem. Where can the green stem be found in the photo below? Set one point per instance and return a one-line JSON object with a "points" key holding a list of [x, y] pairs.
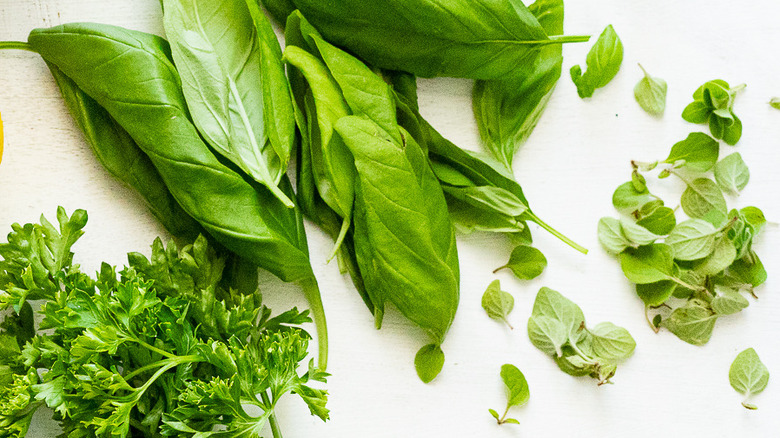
{"points": [[580, 353], [555, 39], [649, 321], [153, 348], [179, 360], [556, 233], [272, 421], [16, 45], [312, 292]]}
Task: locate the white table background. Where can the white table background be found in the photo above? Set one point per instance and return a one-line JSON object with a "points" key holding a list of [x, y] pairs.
{"points": [[569, 168]]}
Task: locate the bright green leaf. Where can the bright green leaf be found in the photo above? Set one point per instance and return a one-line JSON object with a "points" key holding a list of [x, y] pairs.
{"points": [[650, 93], [732, 174], [428, 362], [497, 303], [526, 262], [748, 375]]}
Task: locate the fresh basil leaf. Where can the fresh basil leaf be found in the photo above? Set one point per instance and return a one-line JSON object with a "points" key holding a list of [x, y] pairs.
{"points": [[517, 392], [611, 236], [655, 294], [552, 304], [728, 301], [704, 200], [497, 303], [611, 342], [637, 234], [698, 152], [732, 174], [220, 58], [650, 93], [627, 198], [603, 62], [692, 323], [692, 239], [459, 39], [428, 362], [648, 264], [748, 375], [508, 109], [526, 262]]}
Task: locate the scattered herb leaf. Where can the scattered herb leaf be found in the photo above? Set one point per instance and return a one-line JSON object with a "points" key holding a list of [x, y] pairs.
{"points": [[748, 375], [650, 93], [498, 303], [603, 62]]}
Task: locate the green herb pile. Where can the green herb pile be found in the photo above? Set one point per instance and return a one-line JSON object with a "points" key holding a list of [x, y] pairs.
{"points": [[693, 271], [164, 347], [211, 117], [557, 327]]}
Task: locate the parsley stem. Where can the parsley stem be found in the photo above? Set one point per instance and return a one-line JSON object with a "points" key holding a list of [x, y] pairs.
{"points": [[272, 421], [153, 348], [178, 359]]}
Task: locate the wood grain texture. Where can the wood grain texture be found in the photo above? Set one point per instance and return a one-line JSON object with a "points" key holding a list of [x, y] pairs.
{"points": [[578, 154]]}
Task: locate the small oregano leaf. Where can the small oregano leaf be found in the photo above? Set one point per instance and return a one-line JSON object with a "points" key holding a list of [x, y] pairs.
{"points": [[517, 392], [526, 262], [650, 93], [428, 362], [732, 174], [498, 303], [748, 375]]}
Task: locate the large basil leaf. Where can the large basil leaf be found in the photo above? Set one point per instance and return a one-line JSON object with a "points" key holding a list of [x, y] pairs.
{"points": [[403, 237], [122, 157], [508, 109], [480, 39], [220, 57]]}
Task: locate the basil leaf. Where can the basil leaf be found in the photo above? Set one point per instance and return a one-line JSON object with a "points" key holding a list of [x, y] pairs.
{"points": [[404, 240], [508, 109], [428, 362], [704, 200], [693, 322], [692, 239], [655, 294], [611, 342], [627, 198], [497, 303], [698, 152], [648, 264], [748, 375], [484, 40], [732, 174], [517, 392], [611, 236], [650, 93], [220, 57], [603, 62], [728, 301], [526, 262], [775, 102]]}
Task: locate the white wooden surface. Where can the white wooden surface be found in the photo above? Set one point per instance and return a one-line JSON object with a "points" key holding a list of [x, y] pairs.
{"points": [[569, 168]]}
